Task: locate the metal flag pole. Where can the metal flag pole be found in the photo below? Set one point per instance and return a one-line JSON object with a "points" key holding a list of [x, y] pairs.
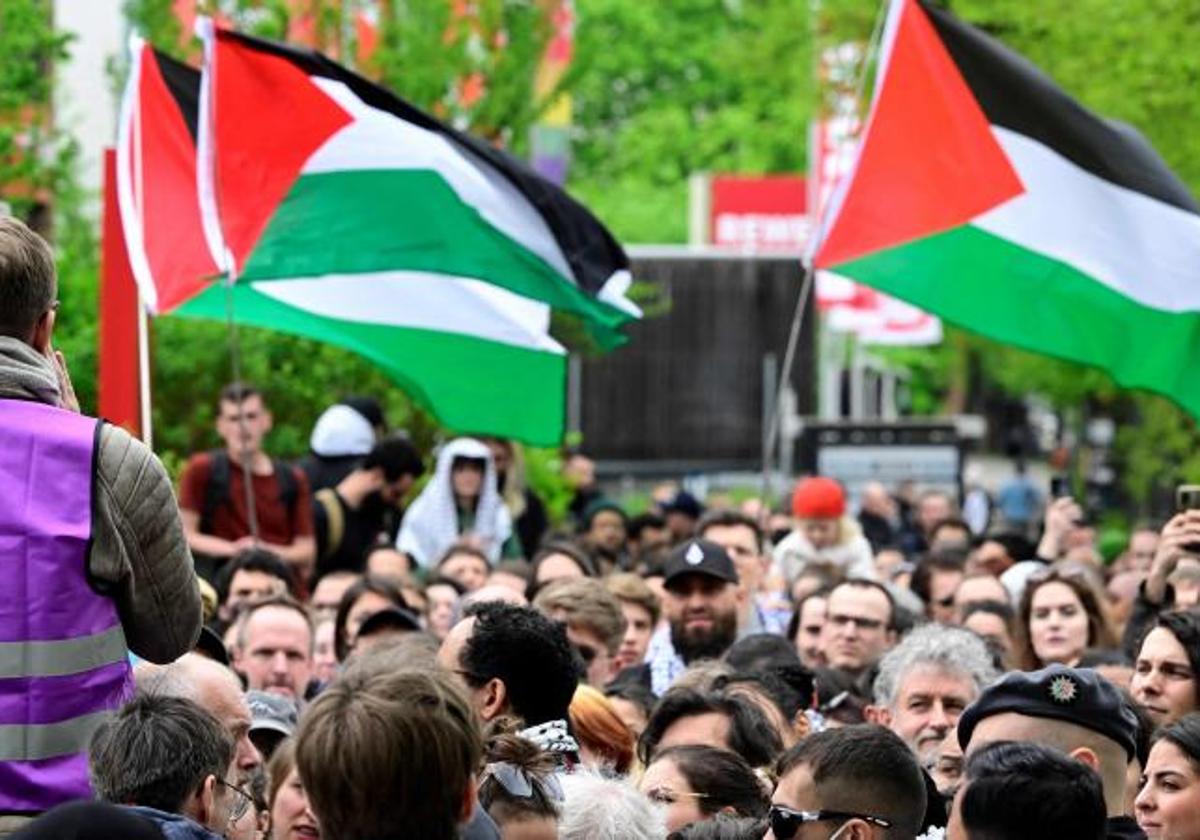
{"points": [[208, 188], [235, 363], [807, 266]]}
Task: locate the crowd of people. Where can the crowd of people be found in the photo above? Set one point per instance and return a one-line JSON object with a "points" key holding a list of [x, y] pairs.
{"points": [[323, 650]]}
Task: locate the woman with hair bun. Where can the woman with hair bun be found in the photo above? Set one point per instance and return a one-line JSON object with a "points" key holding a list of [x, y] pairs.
{"points": [[519, 790]]}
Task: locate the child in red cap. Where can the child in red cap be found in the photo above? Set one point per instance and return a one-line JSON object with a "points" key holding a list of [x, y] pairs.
{"points": [[824, 534]]}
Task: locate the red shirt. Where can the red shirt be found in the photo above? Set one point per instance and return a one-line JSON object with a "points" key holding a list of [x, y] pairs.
{"points": [[230, 521]]}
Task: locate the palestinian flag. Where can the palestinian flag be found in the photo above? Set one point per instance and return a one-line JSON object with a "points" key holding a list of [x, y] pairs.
{"points": [[429, 253], [156, 180], [984, 194]]}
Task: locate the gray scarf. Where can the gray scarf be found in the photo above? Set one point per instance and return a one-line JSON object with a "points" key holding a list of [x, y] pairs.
{"points": [[25, 374]]}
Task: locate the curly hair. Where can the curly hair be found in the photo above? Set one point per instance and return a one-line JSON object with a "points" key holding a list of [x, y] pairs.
{"points": [[526, 651], [950, 649]]}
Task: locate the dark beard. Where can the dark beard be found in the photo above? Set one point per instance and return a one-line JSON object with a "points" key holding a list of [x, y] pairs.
{"points": [[710, 644]]}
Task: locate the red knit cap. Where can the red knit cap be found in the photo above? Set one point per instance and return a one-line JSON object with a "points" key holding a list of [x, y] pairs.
{"points": [[818, 498]]}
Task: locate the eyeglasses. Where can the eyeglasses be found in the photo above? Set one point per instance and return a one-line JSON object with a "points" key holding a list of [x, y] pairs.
{"points": [[240, 805], [666, 796], [785, 822]]}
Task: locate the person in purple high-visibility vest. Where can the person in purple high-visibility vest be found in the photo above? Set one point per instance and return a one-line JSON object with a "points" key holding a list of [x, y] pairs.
{"points": [[93, 561]]}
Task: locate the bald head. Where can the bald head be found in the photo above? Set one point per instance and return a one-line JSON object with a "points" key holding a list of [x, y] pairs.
{"points": [[213, 687], [875, 498]]}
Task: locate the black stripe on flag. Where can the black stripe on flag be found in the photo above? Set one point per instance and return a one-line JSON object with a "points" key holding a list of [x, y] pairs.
{"points": [[183, 82], [589, 248], [1016, 95]]}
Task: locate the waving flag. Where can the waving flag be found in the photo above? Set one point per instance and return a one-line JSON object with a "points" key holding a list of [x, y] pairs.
{"points": [[986, 195], [439, 262]]}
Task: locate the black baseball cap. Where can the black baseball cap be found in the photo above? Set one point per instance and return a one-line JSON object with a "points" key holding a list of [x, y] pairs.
{"points": [[391, 618], [699, 557], [1075, 695], [210, 645]]}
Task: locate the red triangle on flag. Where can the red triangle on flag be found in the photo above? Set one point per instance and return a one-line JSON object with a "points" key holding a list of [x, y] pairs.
{"points": [[928, 160], [268, 119]]}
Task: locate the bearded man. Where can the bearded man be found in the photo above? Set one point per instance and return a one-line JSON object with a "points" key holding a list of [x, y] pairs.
{"points": [[702, 603]]}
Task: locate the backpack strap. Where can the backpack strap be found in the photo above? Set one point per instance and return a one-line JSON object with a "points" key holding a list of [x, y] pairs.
{"points": [[335, 521], [286, 478], [216, 492]]}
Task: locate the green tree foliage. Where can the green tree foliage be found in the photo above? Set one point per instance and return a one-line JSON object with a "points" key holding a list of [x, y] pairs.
{"points": [[192, 358], [34, 158], [36, 174], [662, 90]]}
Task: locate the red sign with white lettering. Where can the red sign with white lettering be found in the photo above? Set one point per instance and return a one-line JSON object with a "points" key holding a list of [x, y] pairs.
{"points": [[757, 214]]}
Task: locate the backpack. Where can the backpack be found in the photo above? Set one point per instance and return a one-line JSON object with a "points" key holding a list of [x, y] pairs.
{"points": [[216, 493], [335, 521]]}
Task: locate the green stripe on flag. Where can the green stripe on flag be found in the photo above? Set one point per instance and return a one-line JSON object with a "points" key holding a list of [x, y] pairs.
{"points": [[470, 385], [1014, 295], [358, 221]]}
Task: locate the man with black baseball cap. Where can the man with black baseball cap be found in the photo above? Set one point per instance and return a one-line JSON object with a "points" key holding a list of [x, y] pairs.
{"points": [[702, 604], [1074, 710]]}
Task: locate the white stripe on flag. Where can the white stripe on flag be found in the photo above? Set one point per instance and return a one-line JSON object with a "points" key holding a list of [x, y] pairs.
{"points": [[1138, 246], [419, 300]]}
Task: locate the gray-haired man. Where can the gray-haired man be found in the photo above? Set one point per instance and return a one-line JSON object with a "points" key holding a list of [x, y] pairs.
{"points": [[926, 682]]}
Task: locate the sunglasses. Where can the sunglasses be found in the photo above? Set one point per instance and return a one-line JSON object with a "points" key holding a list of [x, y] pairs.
{"points": [[785, 822]]}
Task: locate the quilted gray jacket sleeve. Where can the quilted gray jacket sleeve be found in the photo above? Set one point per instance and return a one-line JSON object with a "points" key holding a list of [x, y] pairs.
{"points": [[139, 553]]}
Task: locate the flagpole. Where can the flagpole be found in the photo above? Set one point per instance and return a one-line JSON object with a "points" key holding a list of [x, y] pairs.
{"points": [[789, 359], [143, 338], [807, 266], [235, 363], [208, 190]]}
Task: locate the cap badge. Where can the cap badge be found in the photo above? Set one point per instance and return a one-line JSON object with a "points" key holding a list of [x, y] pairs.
{"points": [[694, 555], [1063, 689]]}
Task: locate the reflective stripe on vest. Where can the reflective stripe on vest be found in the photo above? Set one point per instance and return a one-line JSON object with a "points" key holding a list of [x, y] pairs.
{"points": [[56, 659], [48, 740]]}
